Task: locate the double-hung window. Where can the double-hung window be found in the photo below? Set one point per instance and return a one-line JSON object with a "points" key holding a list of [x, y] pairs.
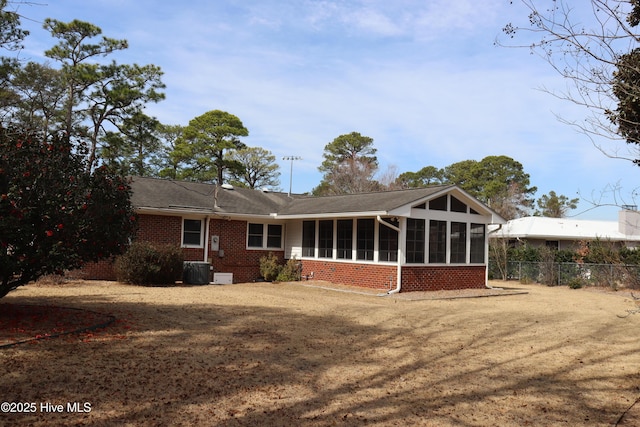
{"points": [[192, 233], [264, 236]]}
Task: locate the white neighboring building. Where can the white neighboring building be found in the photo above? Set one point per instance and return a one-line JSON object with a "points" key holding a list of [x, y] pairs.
{"points": [[565, 233]]}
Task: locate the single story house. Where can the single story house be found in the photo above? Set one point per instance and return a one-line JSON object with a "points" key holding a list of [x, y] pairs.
{"points": [[431, 238], [566, 233]]}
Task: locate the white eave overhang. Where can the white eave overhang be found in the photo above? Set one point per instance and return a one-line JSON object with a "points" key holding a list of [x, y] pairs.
{"points": [[195, 211], [176, 211], [332, 215]]}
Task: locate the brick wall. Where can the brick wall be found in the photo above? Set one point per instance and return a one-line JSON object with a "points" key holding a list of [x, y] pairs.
{"points": [[101, 270], [160, 229], [243, 263], [151, 228], [428, 278], [373, 276], [419, 278]]}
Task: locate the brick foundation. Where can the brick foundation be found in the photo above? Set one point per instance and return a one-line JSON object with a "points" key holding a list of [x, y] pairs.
{"points": [[442, 278], [383, 277], [373, 276]]}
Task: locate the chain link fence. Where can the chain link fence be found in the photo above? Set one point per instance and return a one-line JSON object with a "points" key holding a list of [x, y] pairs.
{"points": [[572, 274]]}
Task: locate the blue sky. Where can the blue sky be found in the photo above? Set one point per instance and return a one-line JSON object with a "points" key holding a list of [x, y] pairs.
{"points": [[422, 78]]}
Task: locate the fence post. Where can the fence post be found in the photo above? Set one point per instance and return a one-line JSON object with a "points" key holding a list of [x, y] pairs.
{"points": [[559, 273], [519, 270]]}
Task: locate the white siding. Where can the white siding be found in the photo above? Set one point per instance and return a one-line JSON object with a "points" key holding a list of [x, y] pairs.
{"points": [[293, 240]]}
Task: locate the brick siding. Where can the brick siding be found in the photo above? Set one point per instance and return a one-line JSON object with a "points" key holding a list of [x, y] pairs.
{"points": [[160, 229], [442, 278], [383, 277], [372, 276]]}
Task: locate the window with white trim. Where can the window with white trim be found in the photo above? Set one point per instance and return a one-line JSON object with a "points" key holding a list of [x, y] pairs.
{"points": [[415, 240], [437, 241], [476, 252], [325, 238], [192, 231], [458, 240], [365, 236], [264, 236], [308, 238], [344, 243], [388, 241]]}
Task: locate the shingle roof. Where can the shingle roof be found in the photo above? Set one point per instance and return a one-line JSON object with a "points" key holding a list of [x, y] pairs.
{"points": [[180, 196], [168, 194], [362, 202]]}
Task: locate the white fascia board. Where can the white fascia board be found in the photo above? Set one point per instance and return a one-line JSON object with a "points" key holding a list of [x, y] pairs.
{"points": [[185, 211], [174, 212], [332, 215], [245, 216]]}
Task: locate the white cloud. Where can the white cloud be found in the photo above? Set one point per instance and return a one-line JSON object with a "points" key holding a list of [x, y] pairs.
{"points": [[420, 77]]}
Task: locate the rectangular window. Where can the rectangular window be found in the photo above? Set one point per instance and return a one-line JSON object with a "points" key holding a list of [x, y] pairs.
{"points": [[476, 251], [439, 204], [458, 242], [192, 232], [344, 243], [415, 240], [274, 235], [309, 238], [256, 236], [437, 241], [325, 239], [365, 237], [255, 233], [388, 242]]}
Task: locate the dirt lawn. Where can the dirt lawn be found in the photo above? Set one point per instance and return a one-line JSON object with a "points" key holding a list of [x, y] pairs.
{"points": [[289, 354]]}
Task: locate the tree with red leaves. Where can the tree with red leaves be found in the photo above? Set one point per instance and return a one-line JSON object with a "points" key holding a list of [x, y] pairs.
{"points": [[54, 214]]}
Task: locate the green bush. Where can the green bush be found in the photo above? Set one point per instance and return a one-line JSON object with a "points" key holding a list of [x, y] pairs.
{"points": [[290, 272], [576, 283], [146, 264], [270, 267], [271, 270]]}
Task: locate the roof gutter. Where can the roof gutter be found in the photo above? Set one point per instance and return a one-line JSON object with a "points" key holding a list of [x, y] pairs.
{"points": [[399, 269], [330, 215]]}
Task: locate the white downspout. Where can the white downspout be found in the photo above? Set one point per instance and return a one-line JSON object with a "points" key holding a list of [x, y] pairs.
{"points": [[206, 239], [399, 269]]}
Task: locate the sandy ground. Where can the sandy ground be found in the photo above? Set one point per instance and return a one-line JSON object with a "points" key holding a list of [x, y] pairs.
{"points": [[293, 354]]}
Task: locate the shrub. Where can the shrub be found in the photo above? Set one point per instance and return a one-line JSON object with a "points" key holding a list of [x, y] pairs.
{"points": [[290, 272], [146, 264], [270, 267], [576, 283]]}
